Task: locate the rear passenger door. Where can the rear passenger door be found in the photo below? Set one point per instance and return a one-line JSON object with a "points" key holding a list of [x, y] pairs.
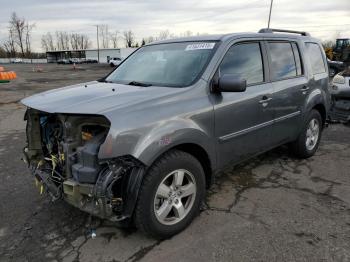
{"points": [[290, 87]]}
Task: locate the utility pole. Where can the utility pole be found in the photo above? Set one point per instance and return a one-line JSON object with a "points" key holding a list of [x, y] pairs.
{"points": [[268, 24], [98, 45]]}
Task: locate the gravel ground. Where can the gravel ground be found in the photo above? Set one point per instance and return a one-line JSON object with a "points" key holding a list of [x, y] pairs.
{"points": [[271, 208]]}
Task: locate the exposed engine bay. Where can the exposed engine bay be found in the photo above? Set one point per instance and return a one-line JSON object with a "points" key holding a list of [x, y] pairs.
{"points": [[62, 154]]}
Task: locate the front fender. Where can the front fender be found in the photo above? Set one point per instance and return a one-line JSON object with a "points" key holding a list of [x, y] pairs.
{"points": [[163, 140], [148, 143]]}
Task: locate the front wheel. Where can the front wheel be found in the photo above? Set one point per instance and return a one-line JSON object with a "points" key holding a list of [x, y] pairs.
{"points": [[309, 139], [170, 195]]}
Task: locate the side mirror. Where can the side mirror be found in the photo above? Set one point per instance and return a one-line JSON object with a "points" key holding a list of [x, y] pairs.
{"points": [[230, 83]]}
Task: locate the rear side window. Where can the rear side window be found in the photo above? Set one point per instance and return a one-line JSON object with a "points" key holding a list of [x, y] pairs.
{"points": [[284, 64], [245, 62], [315, 56]]}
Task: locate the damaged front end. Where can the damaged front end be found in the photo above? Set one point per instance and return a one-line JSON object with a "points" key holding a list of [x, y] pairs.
{"points": [[62, 154]]}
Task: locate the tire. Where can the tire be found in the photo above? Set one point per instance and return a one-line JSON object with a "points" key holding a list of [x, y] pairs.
{"points": [[148, 212], [303, 147], [111, 64]]}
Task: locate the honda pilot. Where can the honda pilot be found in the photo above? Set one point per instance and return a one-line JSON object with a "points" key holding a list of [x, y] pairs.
{"points": [[143, 143]]}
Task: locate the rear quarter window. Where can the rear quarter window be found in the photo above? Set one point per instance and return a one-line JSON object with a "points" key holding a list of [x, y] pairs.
{"points": [[314, 53]]}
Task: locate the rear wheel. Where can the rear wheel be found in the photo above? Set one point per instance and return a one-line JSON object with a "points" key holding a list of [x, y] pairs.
{"points": [[170, 195], [309, 139]]}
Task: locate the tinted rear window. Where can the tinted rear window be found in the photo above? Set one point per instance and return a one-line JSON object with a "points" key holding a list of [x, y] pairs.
{"points": [[283, 64], [315, 56]]}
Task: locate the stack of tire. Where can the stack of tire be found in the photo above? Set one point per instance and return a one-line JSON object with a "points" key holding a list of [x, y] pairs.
{"points": [[5, 77]]}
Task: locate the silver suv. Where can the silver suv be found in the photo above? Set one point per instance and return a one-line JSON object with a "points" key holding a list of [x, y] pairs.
{"points": [[142, 144]]}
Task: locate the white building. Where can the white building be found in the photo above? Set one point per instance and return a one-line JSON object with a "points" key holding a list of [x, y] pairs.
{"points": [[104, 54]]}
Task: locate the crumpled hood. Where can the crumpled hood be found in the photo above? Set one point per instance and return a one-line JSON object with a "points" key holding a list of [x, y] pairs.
{"points": [[95, 97]]}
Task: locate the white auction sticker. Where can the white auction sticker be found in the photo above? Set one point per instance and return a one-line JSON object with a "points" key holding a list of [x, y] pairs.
{"points": [[200, 46]]}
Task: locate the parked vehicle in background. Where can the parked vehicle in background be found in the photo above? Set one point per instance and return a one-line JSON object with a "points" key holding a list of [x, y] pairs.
{"points": [[91, 61], [143, 143], [75, 61], [335, 67], [115, 61], [63, 61], [340, 91], [17, 60]]}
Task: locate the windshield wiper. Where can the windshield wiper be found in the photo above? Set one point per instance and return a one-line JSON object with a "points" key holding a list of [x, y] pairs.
{"points": [[104, 81], [135, 83]]}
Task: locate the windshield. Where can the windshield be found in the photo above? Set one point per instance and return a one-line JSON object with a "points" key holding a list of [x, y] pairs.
{"points": [[173, 64]]}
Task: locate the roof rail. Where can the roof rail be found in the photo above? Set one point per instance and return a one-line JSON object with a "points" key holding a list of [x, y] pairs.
{"points": [[271, 30]]}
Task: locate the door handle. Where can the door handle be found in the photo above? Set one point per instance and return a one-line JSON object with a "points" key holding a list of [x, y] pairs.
{"points": [[305, 88], [265, 99]]}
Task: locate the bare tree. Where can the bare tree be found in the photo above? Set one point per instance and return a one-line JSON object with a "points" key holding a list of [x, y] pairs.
{"points": [[149, 39], [74, 41], [163, 35], [104, 35], [28, 34], [79, 41], [114, 39], [10, 45], [62, 40], [187, 33], [17, 28], [3, 52], [129, 38], [328, 44], [47, 42], [84, 42], [20, 34]]}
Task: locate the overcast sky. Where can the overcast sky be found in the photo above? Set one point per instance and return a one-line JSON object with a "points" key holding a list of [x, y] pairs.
{"points": [[325, 19]]}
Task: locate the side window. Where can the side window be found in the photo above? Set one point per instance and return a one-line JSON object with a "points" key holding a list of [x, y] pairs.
{"points": [[297, 59], [283, 62], [244, 61], [314, 53]]}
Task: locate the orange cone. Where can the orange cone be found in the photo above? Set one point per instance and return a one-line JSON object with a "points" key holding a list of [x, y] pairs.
{"points": [[12, 75], [6, 76]]}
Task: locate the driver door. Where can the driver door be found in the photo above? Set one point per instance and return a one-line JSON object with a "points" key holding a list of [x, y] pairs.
{"points": [[243, 120]]}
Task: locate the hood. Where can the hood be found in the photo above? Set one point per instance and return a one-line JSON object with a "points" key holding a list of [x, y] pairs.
{"points": [[95, 97]]}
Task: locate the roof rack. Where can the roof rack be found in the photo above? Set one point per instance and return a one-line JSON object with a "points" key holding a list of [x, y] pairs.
{"points": [[271, 30]]}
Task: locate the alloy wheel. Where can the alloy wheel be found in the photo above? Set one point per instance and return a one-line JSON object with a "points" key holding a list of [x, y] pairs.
{"points": [[312, 134], [175, 197]]}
